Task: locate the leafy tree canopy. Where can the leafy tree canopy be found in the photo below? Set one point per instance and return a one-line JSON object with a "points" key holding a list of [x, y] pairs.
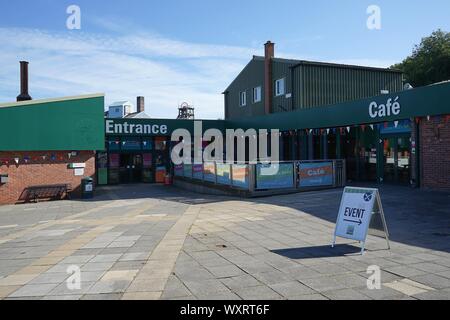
{"points": [[429, 62]]}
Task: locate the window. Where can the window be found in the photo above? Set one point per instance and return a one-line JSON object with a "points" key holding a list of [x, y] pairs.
{"points": [[279, 87], [257, 94], [243, 99]]}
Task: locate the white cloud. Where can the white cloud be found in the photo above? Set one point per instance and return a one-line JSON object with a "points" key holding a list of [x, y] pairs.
{"points": [[165, 71]]}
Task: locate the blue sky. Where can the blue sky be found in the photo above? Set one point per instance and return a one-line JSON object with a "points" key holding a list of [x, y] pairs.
{"points": [[175, 51]]}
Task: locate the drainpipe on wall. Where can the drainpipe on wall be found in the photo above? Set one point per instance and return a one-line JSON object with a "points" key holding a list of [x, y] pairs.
{"points": [[269, 54]]}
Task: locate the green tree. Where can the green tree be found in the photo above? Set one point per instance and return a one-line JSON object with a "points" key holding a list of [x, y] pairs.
{"points": [[429, 62]]}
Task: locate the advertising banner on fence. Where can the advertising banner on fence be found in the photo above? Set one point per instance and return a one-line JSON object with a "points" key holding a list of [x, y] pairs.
{"points": [[188, 170], [284, 178], [209, 172], [240, 176], [178, 170], [315, 174], [197, 171], [223, 174]]}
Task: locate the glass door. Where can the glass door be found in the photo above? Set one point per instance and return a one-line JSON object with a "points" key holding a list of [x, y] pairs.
{"points": [[130, 167], [162, 160], [404, 160], [397, 160]]}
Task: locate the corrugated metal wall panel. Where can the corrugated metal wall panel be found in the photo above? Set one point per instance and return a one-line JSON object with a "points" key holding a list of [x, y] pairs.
{"points": [[282, 70], [310, 84], [251, 77], [323, 85]]}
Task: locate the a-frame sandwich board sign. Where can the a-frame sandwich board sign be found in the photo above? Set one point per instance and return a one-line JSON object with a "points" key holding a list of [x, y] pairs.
{"points": [[360, 212]]}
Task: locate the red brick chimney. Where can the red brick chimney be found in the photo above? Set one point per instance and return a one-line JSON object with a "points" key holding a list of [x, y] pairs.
{"points": [[140, 104], [269, 54], [23, 96]]}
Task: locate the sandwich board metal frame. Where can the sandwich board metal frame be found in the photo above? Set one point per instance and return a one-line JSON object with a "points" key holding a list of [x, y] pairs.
{"points": [[377, 219]]}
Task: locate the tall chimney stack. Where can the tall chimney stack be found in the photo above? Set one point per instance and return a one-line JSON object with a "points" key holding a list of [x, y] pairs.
{"points": [[24, 96], [140, 104], [269, 54]]}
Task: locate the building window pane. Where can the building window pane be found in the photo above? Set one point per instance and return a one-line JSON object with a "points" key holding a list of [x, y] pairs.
{"points": [[243, 99], [279, 87], [257, 94]]}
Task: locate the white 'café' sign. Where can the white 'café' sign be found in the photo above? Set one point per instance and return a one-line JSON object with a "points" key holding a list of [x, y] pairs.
{"points": [[391, 108]]}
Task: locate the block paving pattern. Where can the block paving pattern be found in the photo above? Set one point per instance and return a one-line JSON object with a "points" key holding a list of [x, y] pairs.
{"points": [[152, 242]]}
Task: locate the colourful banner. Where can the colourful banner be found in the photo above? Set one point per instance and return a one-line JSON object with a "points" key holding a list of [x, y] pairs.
{"points": [[283, 178], [178, 170], [188, 170], [240, 176], [209, 172], [223, 174], [197, 171], [316, 174]]}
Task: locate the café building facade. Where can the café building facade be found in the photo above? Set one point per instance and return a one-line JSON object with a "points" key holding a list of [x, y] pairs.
{"points": [[400, 137]]}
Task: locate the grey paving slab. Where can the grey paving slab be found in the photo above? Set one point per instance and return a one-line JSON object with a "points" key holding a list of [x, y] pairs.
{"points": [[430, 267], [315, 296], [65, 297], [102, 296], [97, 266], [272, 277], [242, 281], [293, 288], [258, 293], [48, 278], [63, 290], [100, 287], [106, 258], [225, 271], [33, 290], [265, 248], [346, 294], [433, 281], [323, 284], [205, 286]]}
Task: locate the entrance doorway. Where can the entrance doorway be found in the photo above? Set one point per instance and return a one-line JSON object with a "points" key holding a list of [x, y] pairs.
{"points": [[135, 160], [130, 170], [397, 159]]}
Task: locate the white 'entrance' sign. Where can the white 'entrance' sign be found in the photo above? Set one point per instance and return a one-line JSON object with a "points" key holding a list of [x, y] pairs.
{"points": [[360, 209]]}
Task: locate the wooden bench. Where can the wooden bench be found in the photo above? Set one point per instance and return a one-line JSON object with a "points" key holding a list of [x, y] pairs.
{"points": [[50, 192]]}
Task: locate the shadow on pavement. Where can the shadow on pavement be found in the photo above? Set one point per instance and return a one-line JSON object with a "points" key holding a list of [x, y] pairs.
{"points": [[319, 251], [414, 217]]}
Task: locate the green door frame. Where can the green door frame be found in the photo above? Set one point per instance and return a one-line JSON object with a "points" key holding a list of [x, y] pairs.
{"points": [[380, 151]]}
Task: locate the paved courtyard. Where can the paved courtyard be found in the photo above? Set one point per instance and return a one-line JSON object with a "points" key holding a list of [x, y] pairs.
{"points": [[157, 242]]}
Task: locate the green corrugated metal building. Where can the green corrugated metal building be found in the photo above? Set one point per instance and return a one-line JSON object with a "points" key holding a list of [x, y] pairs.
{"points": [[70, 123], [48, 146], [305, 84]]}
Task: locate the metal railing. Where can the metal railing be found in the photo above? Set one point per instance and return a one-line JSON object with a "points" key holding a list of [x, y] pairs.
{"points": [[252, 177]]}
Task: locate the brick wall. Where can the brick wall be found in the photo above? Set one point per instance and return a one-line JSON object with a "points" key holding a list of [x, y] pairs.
{"points": [[435, 153], [42, 168]]}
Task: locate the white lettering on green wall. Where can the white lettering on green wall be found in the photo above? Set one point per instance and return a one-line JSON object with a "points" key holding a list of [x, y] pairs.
{"points": [[384, 110], [132, 128]]}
